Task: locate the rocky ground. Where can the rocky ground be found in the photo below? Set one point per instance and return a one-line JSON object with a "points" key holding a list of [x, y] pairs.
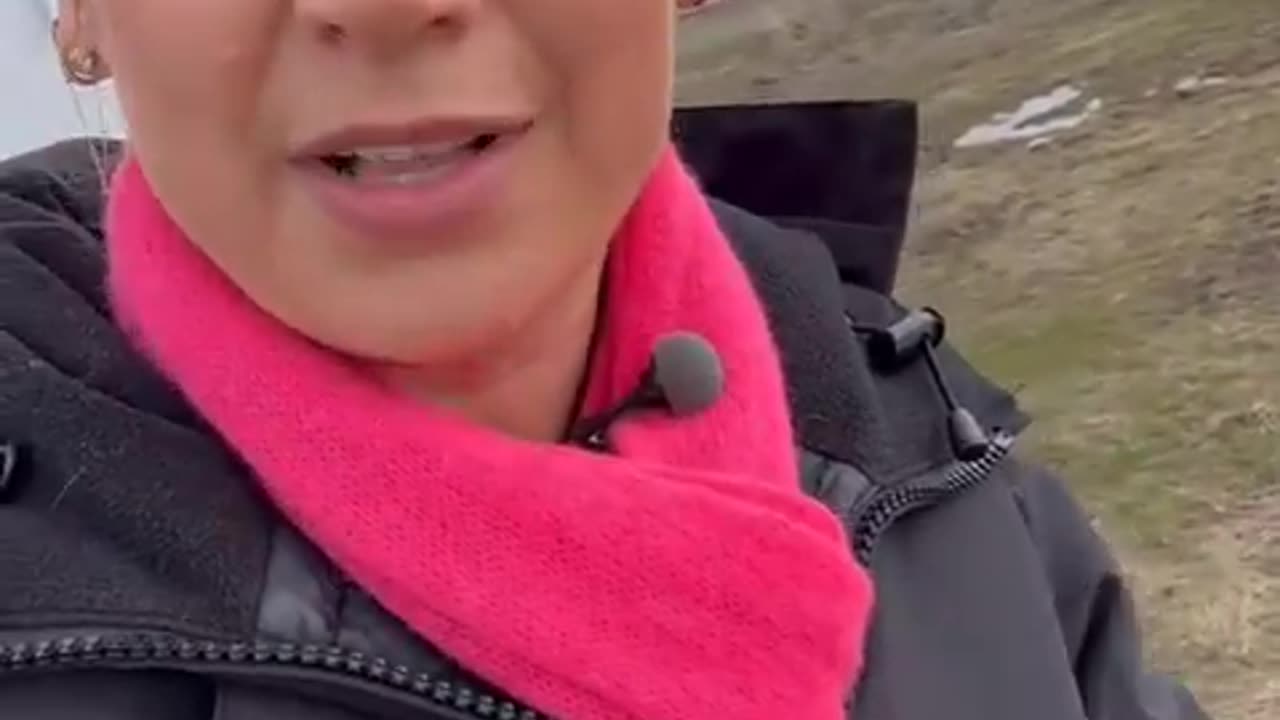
{"points": [[1123, 273]]}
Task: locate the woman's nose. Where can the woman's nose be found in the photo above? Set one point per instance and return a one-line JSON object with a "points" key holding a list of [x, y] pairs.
{"points": [[384, 27]]}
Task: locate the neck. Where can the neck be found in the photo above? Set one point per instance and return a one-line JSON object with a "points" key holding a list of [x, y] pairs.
{"points": [[528, 384]]}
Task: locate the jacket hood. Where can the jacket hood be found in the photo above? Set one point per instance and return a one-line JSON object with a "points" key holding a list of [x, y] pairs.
{"points": [[840, 169]]}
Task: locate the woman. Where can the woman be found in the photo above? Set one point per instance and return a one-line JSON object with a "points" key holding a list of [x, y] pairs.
{"points": [[421, 381]]}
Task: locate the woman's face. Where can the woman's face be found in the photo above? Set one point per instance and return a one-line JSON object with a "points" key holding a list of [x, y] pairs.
{"points": [[403, 180]]}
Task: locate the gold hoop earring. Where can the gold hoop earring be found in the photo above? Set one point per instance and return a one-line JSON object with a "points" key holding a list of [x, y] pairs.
{"points": [[83, 66]]}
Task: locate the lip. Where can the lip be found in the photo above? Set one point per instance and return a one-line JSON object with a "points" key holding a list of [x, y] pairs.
{"points": [[418, 213]]}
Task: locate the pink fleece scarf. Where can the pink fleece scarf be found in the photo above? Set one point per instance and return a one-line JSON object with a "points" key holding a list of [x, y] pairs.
{"points": [[686, 577]]}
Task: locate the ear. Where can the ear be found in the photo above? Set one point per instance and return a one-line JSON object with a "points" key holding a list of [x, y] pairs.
{"points": [[74, 27], [76, 37]]}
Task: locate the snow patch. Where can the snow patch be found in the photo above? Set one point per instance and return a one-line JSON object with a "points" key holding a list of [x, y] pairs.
{"points": [[1037, 117]]}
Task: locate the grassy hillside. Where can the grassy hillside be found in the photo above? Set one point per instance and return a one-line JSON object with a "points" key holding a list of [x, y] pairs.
{"points": [[1124, 275]]}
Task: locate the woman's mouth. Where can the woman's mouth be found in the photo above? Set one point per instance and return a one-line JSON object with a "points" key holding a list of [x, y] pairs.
{"points": [[411, 181], [406, 164]]}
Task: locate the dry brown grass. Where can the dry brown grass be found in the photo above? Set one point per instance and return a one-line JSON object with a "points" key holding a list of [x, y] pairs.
{"points": [[1126, 277]]}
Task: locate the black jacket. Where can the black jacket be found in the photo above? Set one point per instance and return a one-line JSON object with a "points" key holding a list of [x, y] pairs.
{"points": [[142, 574]]}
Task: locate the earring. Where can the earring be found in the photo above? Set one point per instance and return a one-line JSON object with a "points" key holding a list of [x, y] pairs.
{"points": [[83, 66]]}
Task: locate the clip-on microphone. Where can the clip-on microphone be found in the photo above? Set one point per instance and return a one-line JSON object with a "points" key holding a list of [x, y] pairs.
{"points": [[684, 377]]}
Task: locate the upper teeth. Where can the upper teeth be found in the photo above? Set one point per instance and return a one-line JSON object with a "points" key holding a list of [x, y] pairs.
{"points": [[406, 153]]}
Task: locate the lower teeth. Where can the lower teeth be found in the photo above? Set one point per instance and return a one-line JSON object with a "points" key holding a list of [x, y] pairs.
{"points": [[413, 177]]}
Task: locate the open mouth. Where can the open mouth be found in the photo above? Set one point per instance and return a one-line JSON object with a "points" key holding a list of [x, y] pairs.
{"points": [[407, 164], [410, 180]]}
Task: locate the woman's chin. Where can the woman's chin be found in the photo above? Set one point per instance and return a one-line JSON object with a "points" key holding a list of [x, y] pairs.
{"points": [[385, 343]]}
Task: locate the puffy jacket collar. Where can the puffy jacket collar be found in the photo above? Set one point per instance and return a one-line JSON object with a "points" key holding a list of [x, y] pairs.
{"points": [[891, 426]]}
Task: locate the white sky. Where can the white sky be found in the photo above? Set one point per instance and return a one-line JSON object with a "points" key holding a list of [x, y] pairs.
{"points": [[36, 106]]}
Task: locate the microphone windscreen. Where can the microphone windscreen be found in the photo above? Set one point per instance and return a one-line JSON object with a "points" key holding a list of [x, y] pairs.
{"points": [[688, 371]]}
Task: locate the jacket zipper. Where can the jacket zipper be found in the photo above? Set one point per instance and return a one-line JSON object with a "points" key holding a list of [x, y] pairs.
{"points": [[892, 504], [88, 651]]}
